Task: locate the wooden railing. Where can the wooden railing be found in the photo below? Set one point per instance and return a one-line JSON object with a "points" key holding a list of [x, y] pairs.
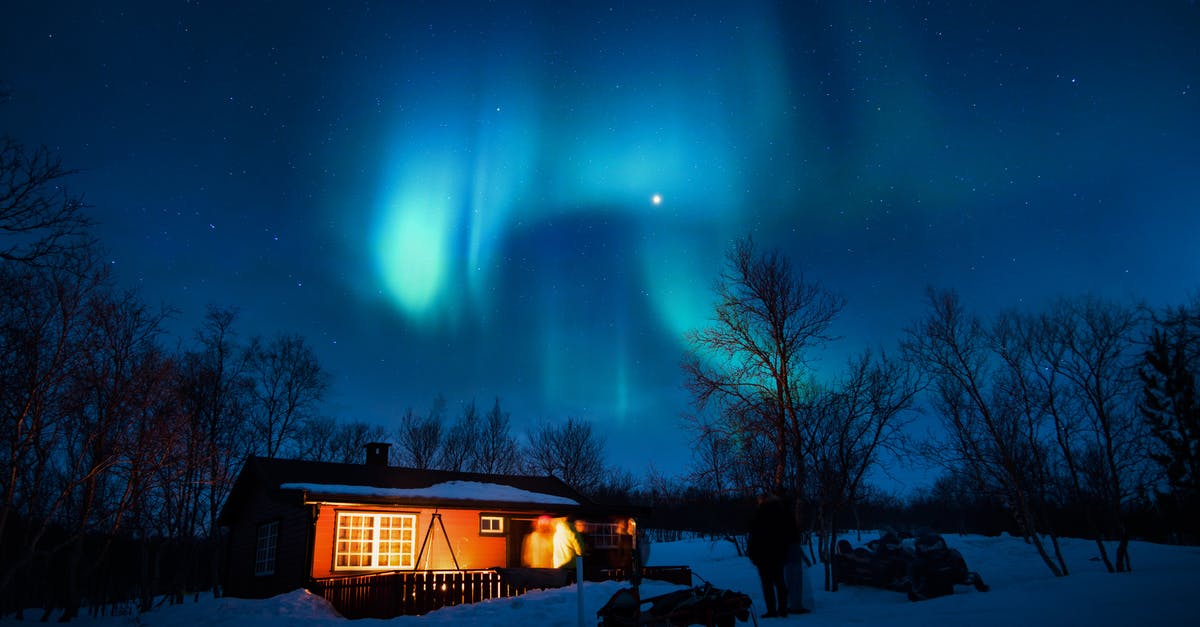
{"points": [[385, 595], [397, 593]]}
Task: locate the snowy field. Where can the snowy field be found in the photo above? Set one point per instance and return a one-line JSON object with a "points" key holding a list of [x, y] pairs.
{"points": [[1163, 588]]}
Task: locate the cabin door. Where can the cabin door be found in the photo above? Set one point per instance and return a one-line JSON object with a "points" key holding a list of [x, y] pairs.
{"points": [[518, 530]]}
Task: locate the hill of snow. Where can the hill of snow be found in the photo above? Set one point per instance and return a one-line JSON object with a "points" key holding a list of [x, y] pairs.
{"points": [[1164, 585]]}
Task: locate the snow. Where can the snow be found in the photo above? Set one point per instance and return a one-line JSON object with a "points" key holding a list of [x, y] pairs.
{"points": [[451, 490], [1163, 588]]}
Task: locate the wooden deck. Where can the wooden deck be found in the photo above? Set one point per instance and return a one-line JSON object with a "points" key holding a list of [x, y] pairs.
{"points": [[398, 593]]}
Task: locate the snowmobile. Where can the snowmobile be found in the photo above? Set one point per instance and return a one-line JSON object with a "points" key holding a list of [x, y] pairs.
{"points": [[702, 605], [926, 570]]}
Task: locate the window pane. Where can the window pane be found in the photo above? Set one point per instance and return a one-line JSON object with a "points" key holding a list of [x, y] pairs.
{"points": [[265, 547], [374, 541]]}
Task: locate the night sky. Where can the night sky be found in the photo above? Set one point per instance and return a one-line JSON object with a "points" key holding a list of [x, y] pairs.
{"points": [[532, 200]]}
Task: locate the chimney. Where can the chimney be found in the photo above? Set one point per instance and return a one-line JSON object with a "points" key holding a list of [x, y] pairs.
{"points": [[377, 453]]}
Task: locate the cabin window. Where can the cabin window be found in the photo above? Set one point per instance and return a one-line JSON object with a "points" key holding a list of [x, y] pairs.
{"points": [[491, 525], [603, 535], [264, 551], [377, 541]]}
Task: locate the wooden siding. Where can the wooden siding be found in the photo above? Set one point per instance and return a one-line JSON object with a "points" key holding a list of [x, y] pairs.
{"points": [[290, 552], [472, 550]]}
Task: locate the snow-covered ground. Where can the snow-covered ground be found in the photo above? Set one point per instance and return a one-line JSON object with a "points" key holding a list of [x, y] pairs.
{"points": [[1163, 587]]}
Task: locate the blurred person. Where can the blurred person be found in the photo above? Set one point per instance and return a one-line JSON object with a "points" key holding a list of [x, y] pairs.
{"points": [[772, 531], [537, 551]]}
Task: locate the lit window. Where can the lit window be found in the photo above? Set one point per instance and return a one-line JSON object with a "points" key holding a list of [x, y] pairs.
{"points": [[375, 541], [602, 535], [264, 549], [491, 525]]}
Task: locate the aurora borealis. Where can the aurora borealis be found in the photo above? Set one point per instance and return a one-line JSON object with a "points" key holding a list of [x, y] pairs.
{"points": [[457, 198]]}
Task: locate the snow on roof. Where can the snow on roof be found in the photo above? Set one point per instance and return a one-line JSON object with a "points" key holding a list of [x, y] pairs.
{"points": [[450, 490]]}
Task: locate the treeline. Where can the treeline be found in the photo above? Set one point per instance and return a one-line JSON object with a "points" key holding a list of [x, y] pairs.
{"points": [[118, 452], [1080, 416], [470, 441]]}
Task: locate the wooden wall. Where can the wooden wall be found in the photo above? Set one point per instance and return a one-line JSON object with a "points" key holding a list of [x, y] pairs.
{"points": [[473, 551], [291, 550]]}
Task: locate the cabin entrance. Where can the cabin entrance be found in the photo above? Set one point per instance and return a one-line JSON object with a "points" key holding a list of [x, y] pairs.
{"points": [[518, 530]]}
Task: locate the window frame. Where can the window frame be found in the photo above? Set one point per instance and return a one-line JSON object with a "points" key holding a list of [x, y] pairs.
{"points": [[603, 535], [408, 559], [266, 548], [483, 531]]}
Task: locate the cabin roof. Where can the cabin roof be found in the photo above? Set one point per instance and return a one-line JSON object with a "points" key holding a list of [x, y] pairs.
{"points": [[394, 485]]}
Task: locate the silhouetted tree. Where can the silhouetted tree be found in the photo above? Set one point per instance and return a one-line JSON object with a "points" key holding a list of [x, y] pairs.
{"points": [[850, 422], [325, 439], [569, 451], [110, 405], [989, 435], [419, 438], [1171, 407], [44, 327], [1075, 364], [215, 391], [460, 448], [497, 450], [41, 222], [750, 363], [713, 464], [287, 385]]}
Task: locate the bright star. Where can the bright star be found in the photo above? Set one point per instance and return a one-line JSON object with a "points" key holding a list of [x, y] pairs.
{"points": [[656, 199]]}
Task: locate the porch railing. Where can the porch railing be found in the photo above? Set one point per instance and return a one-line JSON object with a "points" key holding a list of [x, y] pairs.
{"points": [[396, 593]]}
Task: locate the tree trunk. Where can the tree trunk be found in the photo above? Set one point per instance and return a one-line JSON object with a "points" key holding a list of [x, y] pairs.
{"points": [[830, 565], [1123, 563], [1037, 543], [1104, 555], [1062, 563], [71, 584]]}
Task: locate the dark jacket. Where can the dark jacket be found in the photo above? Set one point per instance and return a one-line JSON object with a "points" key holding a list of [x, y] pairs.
{"points": [[772, 530]]}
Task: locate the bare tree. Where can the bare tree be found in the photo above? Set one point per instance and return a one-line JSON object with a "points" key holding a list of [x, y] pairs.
{"points": [[852, 421], [215, 391], [1078, 363], [287, 386], [460, 448], [110, 397], [750, 362], [325, 439], [43, 329], [498, 451], [569, 451], [81, 382], [41, 222], [419, 438], [48, 273], [1170, 405], [713, 461], [990, 434]]}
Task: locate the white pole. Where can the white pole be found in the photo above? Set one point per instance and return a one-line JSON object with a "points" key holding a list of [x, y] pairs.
{"points": [[579, 585]]}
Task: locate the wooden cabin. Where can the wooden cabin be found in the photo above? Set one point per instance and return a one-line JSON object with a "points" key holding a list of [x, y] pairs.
{"points": [[328, 526]]}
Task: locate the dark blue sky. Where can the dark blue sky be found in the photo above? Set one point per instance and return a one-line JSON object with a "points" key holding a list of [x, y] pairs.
{"points": [[457, 197]]}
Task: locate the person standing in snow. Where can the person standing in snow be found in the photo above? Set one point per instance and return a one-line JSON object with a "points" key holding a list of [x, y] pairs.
{"points": [[772, 531]]}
